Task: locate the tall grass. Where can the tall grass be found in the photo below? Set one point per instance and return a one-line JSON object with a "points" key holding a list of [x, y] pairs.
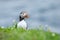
{"points": [[13, 33]]}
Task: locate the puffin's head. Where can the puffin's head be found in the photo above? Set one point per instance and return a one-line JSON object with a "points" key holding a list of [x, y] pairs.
{"points": [[24, 14]]}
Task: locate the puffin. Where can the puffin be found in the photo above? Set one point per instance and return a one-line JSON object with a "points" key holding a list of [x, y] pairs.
{"points": [[22, 23]]}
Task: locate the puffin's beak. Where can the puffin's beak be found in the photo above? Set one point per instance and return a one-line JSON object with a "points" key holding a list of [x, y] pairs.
{"points": [[26, 15]]}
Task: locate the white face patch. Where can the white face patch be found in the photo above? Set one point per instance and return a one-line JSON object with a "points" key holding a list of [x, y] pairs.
{"points": [[24, 14]]}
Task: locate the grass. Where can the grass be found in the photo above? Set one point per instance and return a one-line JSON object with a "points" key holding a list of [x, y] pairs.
{"points": [[12, 33]]}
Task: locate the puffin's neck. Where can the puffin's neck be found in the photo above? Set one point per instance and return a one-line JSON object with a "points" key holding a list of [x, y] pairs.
{"points": [[21, 18]]}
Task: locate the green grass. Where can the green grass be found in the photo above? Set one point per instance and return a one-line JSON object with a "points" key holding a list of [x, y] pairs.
{"points": [[12, 33]]}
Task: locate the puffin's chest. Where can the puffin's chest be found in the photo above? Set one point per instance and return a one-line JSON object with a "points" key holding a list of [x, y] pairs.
{"points": [[22, 24]]}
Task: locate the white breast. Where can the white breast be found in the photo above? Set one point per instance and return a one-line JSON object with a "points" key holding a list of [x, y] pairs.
{"points": [[22, 24]]}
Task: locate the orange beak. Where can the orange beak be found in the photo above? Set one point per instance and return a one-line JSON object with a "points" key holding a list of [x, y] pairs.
{"points": [[26, 15]]}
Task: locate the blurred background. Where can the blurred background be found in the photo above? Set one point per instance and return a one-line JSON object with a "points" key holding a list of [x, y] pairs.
{"points": [[41, 12]]}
